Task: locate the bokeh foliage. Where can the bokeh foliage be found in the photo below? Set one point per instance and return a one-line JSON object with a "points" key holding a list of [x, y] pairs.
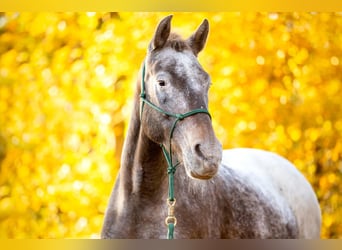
{"points": [[65, 97]]}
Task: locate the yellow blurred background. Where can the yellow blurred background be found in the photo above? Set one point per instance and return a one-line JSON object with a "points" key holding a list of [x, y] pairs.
{"points": [[66, 85]]}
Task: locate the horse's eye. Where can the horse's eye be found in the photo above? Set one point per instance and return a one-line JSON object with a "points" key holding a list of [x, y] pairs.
{"points": [[161, 83]]}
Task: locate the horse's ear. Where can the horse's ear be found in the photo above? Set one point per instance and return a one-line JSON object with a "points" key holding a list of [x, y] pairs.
{"points": [[198, 39], [162, 33]]}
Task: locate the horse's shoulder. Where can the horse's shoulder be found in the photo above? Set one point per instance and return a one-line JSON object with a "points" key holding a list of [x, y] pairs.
{"points": [[268, 172], [267, 169], [278, 179]]}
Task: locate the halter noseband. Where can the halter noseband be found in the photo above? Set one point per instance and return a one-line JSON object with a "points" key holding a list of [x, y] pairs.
{"points": [[171, 169]]}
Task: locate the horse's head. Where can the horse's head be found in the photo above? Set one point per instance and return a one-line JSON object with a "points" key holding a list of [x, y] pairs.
{"points": [[175, 82]]}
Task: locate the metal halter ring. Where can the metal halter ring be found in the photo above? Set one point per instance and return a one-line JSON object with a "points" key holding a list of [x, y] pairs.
{"points": [[171, 220]]}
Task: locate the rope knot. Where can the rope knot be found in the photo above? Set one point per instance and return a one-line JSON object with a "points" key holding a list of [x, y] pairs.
{"points": [[171, 170], [143, 95], [180, 116]]}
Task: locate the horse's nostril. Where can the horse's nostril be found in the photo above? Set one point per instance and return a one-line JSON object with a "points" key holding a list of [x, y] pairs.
{"points": [[198, 150]]}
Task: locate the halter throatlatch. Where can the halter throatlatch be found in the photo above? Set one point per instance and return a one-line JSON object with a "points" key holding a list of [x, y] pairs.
{"points": [[170, 220]]}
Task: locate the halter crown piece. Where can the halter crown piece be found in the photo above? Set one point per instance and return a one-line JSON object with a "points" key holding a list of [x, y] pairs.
{"points": [[170, 220]]}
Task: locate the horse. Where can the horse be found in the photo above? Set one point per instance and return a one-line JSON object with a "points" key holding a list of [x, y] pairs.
{"points": [[174, 175]]}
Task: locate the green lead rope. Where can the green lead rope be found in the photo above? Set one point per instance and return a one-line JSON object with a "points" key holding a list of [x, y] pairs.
{"points": [[171, 169], [171, 229], [170, 220]]}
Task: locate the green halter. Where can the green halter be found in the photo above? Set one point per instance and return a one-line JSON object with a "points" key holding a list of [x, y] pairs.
{"points": [[171, 169]]}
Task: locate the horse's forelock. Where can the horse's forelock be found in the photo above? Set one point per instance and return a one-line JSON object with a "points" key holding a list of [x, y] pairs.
{"points": [[175, 42]]}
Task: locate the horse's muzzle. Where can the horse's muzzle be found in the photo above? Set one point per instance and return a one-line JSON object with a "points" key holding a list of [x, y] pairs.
{"points": [[204, 160]]}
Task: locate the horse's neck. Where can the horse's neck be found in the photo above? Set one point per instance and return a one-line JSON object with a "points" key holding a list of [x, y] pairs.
{"points": [[142, 168]]}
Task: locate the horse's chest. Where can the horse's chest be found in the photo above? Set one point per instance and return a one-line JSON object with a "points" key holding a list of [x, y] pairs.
{"points": [[194, 220], [149, 222], [232, 218]]}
